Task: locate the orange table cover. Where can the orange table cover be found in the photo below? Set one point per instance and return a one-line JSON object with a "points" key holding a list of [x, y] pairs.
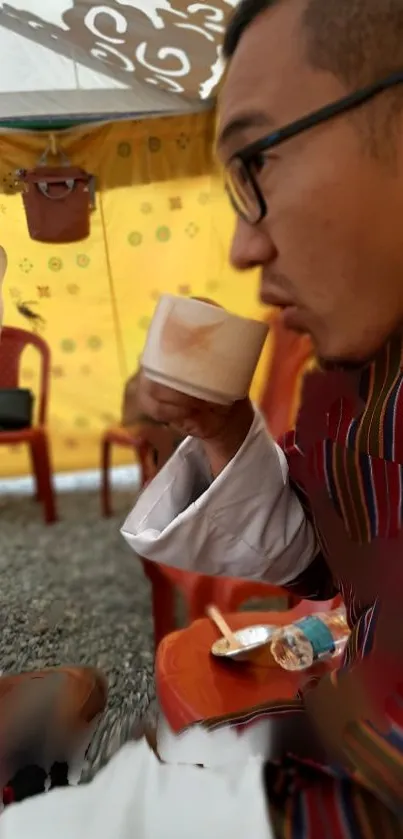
{"points": [[193, 686]]}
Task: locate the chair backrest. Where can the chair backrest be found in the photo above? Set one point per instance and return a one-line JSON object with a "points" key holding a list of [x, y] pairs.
{"points": [[13, 342], [310, 607], [290, 355]]}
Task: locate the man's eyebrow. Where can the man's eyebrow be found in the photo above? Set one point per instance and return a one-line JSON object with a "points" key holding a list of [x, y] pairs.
{"points": [[244, 121]]}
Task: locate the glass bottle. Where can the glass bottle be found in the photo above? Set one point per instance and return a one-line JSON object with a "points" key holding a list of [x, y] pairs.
{"points": [[311, 639]]}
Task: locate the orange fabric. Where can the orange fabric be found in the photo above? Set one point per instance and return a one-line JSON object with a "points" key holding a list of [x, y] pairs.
{"points": [[194, 686]]}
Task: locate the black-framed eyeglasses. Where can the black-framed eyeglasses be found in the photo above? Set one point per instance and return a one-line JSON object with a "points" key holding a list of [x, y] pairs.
{"points": [[241, 184]]}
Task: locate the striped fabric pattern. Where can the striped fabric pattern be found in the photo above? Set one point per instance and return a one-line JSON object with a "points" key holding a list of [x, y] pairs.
{"points": [[358, 458], [360, 462]]}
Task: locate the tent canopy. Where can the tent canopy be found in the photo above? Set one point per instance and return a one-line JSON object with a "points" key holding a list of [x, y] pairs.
{"points": [[115, 59]]}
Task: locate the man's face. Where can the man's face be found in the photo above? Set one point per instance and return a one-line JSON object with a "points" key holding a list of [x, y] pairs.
{"points": [[330, 247]]}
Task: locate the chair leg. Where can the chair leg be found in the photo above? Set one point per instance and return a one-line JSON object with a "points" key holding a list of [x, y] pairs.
{"points": [[105, 489], [35, 471], [199, 596], [41, 459], [163, 602], [145, 455]]}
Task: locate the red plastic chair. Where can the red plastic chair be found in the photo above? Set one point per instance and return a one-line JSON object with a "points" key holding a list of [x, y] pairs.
{"points": [[152, 444], [127, 438], [12, 344], [192, 686], [290, 355]]}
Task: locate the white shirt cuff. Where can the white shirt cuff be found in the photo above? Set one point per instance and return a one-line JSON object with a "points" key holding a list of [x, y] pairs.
{"points": [[248, 522]]}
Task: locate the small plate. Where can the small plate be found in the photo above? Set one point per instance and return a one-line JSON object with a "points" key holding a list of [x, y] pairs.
{"points": [[250, 639]]}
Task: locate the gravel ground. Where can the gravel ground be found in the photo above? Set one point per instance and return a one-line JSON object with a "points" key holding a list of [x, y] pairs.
{"points": [[74, 593]]}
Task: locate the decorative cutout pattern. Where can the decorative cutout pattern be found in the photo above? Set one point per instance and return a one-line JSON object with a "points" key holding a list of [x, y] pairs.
{"points": [[172, 45]]}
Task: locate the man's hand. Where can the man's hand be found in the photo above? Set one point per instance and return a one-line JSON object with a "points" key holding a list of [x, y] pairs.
{"points": [[221, 428]]}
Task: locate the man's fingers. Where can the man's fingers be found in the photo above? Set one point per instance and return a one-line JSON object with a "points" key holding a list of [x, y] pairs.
{"points": [[167, 406], [162, 411], [163, 394]]}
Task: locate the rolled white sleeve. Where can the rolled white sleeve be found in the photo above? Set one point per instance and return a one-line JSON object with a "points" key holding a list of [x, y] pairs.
{"points": [[248, 522]]}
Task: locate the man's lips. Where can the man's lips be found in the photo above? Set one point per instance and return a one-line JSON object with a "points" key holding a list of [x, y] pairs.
{"points": [[270, 299], [291, 317], [290, 314]]}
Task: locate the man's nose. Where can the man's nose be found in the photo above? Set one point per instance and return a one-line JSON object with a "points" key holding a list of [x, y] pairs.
{"points": [[251, 246]]}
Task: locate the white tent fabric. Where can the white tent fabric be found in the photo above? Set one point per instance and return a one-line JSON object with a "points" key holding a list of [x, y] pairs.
{"points": [[116, 58]]}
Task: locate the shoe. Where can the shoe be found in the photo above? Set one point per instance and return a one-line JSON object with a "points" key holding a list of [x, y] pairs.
{"points": [[46, 717]]}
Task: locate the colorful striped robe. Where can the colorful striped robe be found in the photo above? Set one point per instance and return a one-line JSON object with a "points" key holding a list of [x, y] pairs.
{"points": [[345, 460], [346, 464]]}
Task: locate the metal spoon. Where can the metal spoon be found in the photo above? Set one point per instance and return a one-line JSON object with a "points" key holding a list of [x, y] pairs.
{"points": [[215, 615]]}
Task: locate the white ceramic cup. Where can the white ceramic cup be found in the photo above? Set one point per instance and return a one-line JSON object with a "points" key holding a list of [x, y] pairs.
{"points": [[202, 350]]}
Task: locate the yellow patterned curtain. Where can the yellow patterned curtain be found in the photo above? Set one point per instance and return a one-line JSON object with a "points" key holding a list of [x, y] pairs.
{"points": [[161, 224]]}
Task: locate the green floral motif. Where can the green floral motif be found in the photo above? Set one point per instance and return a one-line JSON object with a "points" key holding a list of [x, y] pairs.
{"points": [[192, 230], [26, 266], [67, 345], [154, 144], [81, 422], [55, 264], [94, 342], [146, 208], [183, 141], [163, 234], [135, 238], [73, 288], [144, 322], [124, 149], [82, 260]]}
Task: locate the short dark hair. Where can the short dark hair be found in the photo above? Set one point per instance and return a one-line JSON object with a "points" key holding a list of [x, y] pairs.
{"points": [[244, 14], [358, 41]]}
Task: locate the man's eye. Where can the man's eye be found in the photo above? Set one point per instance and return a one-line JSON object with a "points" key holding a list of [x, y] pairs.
{"points": [[257, 162]]}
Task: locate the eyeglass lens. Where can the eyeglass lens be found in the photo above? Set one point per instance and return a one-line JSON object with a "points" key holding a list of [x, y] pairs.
{"points": [[242, 192]]}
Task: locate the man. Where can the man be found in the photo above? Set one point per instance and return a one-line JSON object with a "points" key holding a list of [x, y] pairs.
{"points": [[311, 138]]}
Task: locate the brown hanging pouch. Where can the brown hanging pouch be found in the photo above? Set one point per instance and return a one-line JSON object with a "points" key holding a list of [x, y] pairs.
{"points": [[58, 200]]}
